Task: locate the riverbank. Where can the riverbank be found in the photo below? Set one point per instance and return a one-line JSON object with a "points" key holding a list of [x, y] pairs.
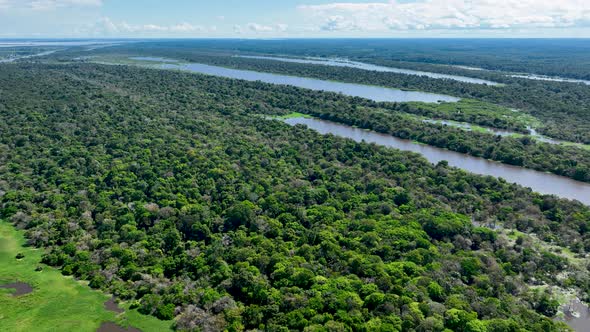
{"points": [[544, 183]]}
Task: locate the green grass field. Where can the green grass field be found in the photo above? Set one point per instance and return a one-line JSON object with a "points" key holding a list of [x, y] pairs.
{"points": [[291, 116], [480, 109], [57, 303]]}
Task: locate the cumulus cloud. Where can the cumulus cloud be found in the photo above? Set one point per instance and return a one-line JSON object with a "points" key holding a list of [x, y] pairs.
{"points": [[106, 26], [449, 14]]}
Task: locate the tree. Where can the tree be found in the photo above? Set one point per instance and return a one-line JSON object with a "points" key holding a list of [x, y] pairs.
{"points": [[243, 213]]}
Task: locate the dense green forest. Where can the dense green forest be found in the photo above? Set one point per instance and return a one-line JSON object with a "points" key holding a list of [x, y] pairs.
{"points": [[392, 118], [557, 57], [166, 189], [562, 107]]}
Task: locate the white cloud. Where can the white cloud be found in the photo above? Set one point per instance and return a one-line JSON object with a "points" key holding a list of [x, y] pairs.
{"points": [[47, 4], [449, 14], [339, 23], [105, 26], [282, 27], [257, 28]]}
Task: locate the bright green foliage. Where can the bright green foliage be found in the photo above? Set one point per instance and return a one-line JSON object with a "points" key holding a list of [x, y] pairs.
{"points": [[165, 190]]}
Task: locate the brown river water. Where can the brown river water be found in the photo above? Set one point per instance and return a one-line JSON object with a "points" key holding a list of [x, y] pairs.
{"points": [[544, 183]]}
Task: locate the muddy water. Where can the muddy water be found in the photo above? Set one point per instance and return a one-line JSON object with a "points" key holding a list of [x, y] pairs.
{"points": [[577, 316], [112, 327], [111, 305], [544, 183], [20, 288], [375, 93]]}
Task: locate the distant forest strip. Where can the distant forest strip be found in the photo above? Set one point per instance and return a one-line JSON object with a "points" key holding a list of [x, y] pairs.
{"points": [[162, 188], [552, 57]]}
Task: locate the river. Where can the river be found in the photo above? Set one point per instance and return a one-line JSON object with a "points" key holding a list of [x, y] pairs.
{"points": [[577, 315], [370, 67], [544, 183], [376, 93]]}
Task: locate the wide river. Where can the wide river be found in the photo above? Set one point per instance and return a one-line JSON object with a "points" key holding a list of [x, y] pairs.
{"points": [[370, 67], [544, 183], [375, 93]]}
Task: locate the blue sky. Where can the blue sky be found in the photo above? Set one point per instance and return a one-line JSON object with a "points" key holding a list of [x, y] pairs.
{"points": [[294, 18]]}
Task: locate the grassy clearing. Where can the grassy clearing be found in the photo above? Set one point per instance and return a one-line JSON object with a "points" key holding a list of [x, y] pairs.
{"points": [[57, 303], [127, 60], [578, 145], [292, 116], [460, 125], [480, 109]]}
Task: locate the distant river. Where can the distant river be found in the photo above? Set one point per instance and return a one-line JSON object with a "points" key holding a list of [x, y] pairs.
{"points": [[375, 93], [370, 67], [541, 182]]}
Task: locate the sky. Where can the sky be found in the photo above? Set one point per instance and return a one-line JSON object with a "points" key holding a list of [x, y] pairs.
{"points": [[293, 18]]}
